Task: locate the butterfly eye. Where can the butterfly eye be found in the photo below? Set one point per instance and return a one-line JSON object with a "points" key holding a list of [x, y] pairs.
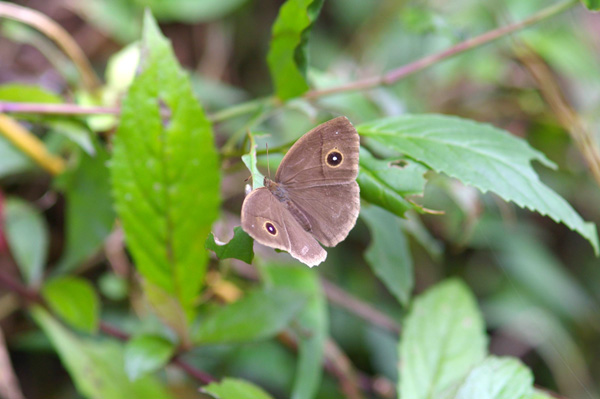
{"points": [[270, 228], [334, 158]]}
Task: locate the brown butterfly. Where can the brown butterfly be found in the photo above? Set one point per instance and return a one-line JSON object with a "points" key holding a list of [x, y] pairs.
{"points": [[314, 195]]}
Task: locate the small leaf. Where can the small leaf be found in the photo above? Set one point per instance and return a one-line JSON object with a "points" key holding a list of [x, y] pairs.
{"points": [[249, 160], [233, 388], [388, 254], [443, 338], [27, 235], [145, 354], [593, 5], [498, 378], [190, 10], [239, 247], [74, 300], [258, 315], [165, 173], [23, 93], [288, 54], [384, 184], [482, 156], [96, 367], [89, 208], [313, 320], [167, 308]]}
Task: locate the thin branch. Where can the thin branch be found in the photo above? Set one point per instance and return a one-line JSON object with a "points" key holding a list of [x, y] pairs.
{"points": [[419, 65], [55, 109], [58, 34]]}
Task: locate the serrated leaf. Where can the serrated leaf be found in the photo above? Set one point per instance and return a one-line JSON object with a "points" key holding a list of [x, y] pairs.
{"points": [[482, 156], [239, 247], [26, 232], [96, 367], [498, 378], [388, 253], [165, 173], [443, 338], [288, 53], [249, 160], [258, 315], [233, 388], [593, 5], [313, 320], [74, 300], [89, 208], [384, 184], [145, 354]]}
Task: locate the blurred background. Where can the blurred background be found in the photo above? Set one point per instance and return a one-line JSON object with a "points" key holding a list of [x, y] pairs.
{"points": [[538, 282]]}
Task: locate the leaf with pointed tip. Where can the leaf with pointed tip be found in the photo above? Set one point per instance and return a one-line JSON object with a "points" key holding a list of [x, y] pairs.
{"points": [[482, 156], [233, 388], [165, 172], [74, 300]]}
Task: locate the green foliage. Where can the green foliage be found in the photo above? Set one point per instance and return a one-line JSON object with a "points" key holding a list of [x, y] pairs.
{"points": [[145, 354], [288, 53], [164, 172], [386, 184], [482, 156], [27, 236], [191, 10], [74, 300], [259, 315], [90, 215], [443, 338], [312, 320], [239, 247], [249, 160], [388, 254], [96, 366], [593, 5], [231, 388], [12, 161]]}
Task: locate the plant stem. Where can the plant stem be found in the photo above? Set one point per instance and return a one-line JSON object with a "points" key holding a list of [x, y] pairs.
{"points": [[55, 109], [419, 65]]}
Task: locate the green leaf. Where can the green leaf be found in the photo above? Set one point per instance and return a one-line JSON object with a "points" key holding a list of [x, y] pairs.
{"points": [[96, 367], [12, 160], [233, 388], [145, 354], [388, 254], [249, 160], [258, 315], [498, 378], [239, 247], [168, 309], [288, 55], [384, 184], [17, 92], [482, 156], [313, 321], [89, 212], [27, 236], [443, 338], [74, 300], [593, 5], [165, 173], [191, 10], [539, 394]]}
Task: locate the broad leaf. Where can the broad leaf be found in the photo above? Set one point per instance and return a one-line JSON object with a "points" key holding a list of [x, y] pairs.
{"points": [[233, 388], [498, 378], [258, 315], [384, 183], [165, 173], [89, 211], [288, 53], [27, 235], [593, 5], [74, 300], [388, 253], [239, 247], [443, 338], [145, 354], [312, 321], [480, 155], [96, 367]]}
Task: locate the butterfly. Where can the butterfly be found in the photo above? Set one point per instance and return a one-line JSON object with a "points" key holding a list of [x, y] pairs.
{"points": [[314, 196]]}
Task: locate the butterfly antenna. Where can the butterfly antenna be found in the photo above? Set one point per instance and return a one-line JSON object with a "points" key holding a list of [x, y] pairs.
{"points": [[268, 167]]}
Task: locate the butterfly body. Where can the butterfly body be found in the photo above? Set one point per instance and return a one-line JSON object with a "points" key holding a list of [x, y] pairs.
{"points": [[314, 195]]}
